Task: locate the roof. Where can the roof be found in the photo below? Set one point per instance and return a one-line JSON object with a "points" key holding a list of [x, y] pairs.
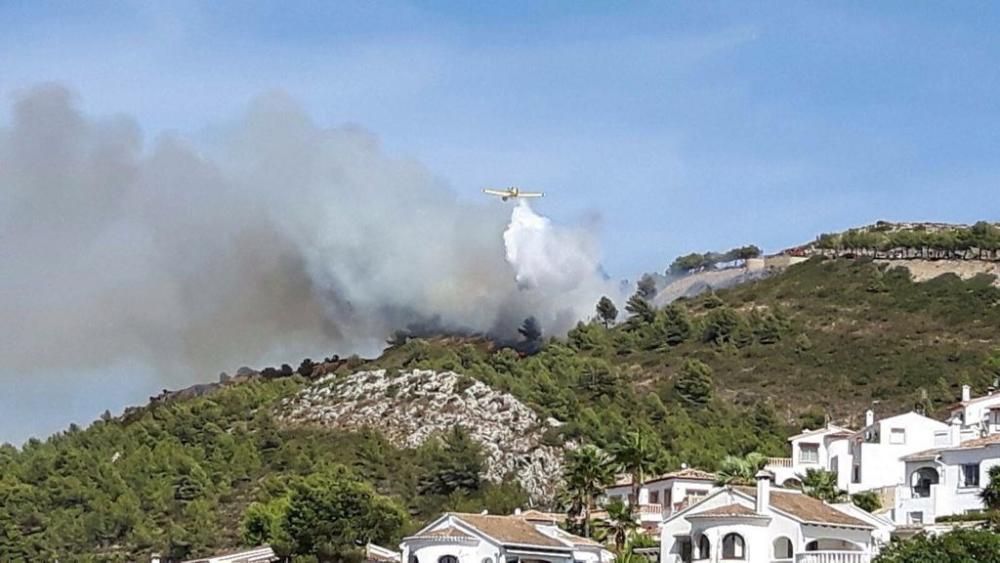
{"points": [[830, 428], [990, 440], [261, 554], [806, 509], [539, 516], [512, 530], [573, 539], [727, 511], [979, 399], [689, 473], [446, 532]]}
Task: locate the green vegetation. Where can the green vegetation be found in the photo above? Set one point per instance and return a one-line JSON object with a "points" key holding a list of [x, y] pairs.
{"points": [[958, 546], [981, 241], [727, 373], [192, 477], [695, 262]]}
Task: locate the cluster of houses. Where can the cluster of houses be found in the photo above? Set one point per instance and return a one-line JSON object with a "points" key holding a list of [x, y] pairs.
{"points": [[921, 469]]}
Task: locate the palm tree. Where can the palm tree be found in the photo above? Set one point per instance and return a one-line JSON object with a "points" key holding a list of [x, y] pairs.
{"points": [[620, 523], [637, 455], [587, 473], [735, 470], [822, 484], [991, 492]]}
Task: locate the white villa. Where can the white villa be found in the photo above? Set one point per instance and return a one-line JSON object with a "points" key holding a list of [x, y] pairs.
{"points": [[766, 524], [483, 538], [661, 496]]}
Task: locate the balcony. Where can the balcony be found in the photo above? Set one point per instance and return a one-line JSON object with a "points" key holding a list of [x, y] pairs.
{"points": [[649, 512], [833, 557], [782, 462]]}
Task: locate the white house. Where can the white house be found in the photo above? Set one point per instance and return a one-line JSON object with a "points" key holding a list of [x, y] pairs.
{"points": [[978, 416], [765, 524], [946, 481], [877, 450], [661, 496], [483, 538], [824, 448]]}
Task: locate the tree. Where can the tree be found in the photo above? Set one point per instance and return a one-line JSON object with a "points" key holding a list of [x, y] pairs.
{"points": [[646, 287], [606, 311], [694, 383], [637, 455], [962, 545], [640, 311], [736, 470], [329, 514], [531, 331], [620, 522], [822, 484], [990, 494], [867, 501], [720, 325], [673, 325], [456, 465], [588, 471]]}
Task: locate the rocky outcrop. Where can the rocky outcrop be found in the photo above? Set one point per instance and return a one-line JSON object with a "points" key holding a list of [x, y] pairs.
{"points": [[410, 407]]}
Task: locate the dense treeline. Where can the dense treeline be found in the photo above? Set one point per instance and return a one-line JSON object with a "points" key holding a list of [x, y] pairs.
{"points": [[980, 241]]}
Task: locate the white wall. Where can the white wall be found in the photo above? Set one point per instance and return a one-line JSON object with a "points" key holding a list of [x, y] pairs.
{"points": [[880, 461], [430, 551]]}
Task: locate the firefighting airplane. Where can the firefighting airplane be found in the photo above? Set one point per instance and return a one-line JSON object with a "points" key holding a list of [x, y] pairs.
{"points": [[512, 193]]}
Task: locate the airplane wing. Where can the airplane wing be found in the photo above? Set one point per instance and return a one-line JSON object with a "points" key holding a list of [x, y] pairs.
{"points": [[495, 192], [530, 194]]}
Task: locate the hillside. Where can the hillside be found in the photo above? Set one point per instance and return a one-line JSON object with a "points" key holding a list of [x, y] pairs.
{"points": [[732, 371]]}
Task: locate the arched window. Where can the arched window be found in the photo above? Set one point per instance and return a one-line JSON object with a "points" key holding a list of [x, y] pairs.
{"points": [[921, 481], [448, 559], [704, 547], [783, 548], [812, 546], [733, 547]]}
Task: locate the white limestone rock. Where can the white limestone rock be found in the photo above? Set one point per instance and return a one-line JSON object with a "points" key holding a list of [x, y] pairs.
{"points": [[410, 407]]}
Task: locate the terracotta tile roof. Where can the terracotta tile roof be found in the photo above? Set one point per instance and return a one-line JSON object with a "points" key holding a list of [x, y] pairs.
{"points": [[510, 530], [992, 439], [806, 508], [446, 532], [573, 539], [539, 516], [688, 473], [728, 510]]}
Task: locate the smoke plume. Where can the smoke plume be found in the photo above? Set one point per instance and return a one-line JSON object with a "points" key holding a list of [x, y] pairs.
{"points": [[281, 240]]}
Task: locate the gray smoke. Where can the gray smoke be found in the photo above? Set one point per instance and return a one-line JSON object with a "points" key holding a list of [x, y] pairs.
{"points": [[284, 240]]}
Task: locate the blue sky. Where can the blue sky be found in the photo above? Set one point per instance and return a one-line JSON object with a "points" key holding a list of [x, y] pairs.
{"points": [[688, 126]]}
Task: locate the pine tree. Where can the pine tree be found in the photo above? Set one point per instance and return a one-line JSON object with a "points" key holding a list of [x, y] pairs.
{"points": [[606, 311]]}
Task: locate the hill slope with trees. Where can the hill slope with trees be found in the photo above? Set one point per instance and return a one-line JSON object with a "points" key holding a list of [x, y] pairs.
{"points": [[726, 373]]}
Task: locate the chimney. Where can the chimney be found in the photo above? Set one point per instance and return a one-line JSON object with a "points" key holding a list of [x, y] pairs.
{"points": [[154, 558], [869, 417], [956, 431], [763, 491], [966, 393]]}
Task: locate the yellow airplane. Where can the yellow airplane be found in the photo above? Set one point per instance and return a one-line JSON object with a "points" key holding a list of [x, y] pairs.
{"points": [[511, 193]]}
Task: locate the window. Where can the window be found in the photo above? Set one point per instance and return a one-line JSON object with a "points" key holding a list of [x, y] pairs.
{"points": [[834, 463], [654, 497], [448, 559], [809, 453], [733, 547], [897, 436], [968, 476], [783, 548], [413, 559], [704, 547], [856, 474], [915, 518]]}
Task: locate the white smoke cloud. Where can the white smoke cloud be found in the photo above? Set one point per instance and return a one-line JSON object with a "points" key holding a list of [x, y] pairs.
{"points": [[284, 240]]}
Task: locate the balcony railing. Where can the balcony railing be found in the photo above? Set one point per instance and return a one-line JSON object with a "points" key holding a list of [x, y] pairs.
{"points": [[649, 511], [779, 462], [833, 557]]}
